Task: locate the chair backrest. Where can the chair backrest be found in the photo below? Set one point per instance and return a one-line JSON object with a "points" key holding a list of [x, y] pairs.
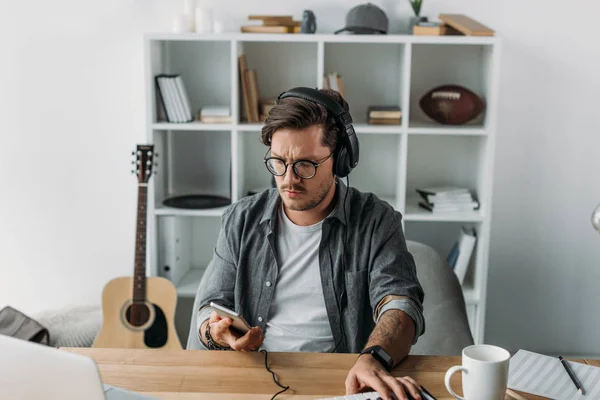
{"points": [[33, 371], [447, 329]]}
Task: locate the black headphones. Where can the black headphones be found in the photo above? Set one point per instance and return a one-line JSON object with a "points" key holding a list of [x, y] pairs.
{"points": [[346, 155]]}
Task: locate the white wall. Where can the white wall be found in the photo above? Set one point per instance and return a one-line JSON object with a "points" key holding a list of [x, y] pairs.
{"points": [[72, 109]]}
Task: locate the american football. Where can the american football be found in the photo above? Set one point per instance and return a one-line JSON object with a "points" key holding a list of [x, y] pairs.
{"points": [[451, 104]]}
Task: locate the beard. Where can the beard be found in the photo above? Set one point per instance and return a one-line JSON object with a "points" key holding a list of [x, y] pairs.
{"points": [[311, 200]]}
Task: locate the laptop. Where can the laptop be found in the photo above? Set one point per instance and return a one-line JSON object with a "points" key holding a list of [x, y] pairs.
{"points": [[30, 370]]}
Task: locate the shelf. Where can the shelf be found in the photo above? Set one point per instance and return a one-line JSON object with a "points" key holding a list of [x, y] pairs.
{"points": [[227, 159], [416, 128], [416, 213], [433, 128], [249, 127], [190, 126], [379, 129], [188, 285], [184, 212], [359, 128], [323, 37]]}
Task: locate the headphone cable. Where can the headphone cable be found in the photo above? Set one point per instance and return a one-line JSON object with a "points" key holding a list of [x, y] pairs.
{"points": [[342, 303], [275, 379]]}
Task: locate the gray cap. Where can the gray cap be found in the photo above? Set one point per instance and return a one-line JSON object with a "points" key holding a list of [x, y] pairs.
{"points": [[366, 18]]}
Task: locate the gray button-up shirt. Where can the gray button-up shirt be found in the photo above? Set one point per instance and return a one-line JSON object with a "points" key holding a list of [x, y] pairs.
{"points": [[362, 253]]}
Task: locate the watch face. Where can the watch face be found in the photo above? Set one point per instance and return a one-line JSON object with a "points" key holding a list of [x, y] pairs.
{"points": [[385, 356]]}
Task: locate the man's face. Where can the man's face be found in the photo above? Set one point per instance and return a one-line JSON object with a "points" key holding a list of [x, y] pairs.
{"points": [[304, 144]]}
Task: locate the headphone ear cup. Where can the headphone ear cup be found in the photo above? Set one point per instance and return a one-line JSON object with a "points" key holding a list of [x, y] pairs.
{"points": [[342, 163]]}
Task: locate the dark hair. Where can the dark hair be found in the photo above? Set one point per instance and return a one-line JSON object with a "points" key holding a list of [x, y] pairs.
{"points": [[296, 113]]}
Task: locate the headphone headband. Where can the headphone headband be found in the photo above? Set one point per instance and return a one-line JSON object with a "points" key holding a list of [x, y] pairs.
{"points": [[347, 158]]}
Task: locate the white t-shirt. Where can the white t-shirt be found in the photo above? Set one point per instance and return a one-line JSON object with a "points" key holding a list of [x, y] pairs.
{"points": [[298, 318]]}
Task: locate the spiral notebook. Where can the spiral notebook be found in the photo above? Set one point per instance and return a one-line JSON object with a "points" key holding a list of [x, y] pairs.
{"points": [[545, 376]]}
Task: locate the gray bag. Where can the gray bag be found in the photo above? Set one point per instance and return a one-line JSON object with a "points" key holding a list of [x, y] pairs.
{"points": [[16, 324]]}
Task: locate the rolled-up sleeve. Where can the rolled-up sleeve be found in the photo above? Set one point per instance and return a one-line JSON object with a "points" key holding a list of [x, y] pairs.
{"points": [[393, 273]]}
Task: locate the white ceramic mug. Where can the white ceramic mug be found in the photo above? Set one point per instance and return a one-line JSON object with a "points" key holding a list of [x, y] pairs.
{"points": [[484, 373]]}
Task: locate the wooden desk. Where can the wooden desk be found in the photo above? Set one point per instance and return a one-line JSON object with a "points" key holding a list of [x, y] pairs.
{"points": [[197, 374]]}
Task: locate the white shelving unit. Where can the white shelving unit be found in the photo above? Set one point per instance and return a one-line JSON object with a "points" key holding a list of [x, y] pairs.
{"points": [[226, 159]]}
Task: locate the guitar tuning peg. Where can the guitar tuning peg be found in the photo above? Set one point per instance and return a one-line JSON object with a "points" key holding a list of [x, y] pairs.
{"points": [[155, 155], [148, 162], [132, 172], [155, 164], [133, 162], [133, 153], [155, 172]]}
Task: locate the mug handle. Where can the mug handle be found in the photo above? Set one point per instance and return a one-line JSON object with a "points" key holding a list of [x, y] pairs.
{"points": [[449, 374]]}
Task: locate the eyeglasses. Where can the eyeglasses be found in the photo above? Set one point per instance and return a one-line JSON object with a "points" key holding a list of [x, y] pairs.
{"points": [[305, 169]]}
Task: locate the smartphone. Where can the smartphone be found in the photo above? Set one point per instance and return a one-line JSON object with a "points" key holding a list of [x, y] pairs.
{"points": [[239, 323]]}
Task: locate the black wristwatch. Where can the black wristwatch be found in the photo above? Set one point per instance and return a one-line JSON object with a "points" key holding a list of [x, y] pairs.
{"points": [[380, 355]]}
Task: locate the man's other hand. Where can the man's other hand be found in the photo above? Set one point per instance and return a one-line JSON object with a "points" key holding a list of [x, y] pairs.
{"points": [[368, 372]]}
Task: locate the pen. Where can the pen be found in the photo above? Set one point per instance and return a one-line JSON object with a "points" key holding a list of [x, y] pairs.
{"points": [[571, 374]]}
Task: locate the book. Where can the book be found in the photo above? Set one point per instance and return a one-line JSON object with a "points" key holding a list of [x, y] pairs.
{"points": [[448, 199], [453, 255], [245, 90], [442, 190], [183, 99], [265, 108], [466, 244], [334, 81], [449, 208], [172, 94], [212, 119], [434, 29], [466, 25], [215, 111], [267, 29], [168, 96], [252, 80], [392, 111], [385, 121]]}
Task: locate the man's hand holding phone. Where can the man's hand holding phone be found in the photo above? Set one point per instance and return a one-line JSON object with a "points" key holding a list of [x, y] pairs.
{"points": [[225, 335]]}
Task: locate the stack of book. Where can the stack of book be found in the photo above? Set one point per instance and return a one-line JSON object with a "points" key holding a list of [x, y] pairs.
{"points": [[447, 199], [384, 115], [215, 115], [172, 100], [272, 24], [460, 255]]}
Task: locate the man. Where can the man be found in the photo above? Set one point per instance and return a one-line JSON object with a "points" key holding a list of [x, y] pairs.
{"points": [[315, 265]]}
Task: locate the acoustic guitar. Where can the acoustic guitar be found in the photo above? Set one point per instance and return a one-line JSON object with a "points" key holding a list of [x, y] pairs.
{"points": [[138, 312]]}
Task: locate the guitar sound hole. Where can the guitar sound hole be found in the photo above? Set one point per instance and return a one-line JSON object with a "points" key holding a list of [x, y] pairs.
{"points": [[137, 314]]}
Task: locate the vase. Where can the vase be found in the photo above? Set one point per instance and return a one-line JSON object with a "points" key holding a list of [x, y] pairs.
{"points": [[414, 21]]}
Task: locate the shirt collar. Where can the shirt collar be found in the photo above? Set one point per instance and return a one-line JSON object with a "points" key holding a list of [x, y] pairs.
{"points": [[270, 213]]}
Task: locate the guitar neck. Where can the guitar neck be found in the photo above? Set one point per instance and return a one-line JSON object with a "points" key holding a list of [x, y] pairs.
{"points": [[139, 275]]}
